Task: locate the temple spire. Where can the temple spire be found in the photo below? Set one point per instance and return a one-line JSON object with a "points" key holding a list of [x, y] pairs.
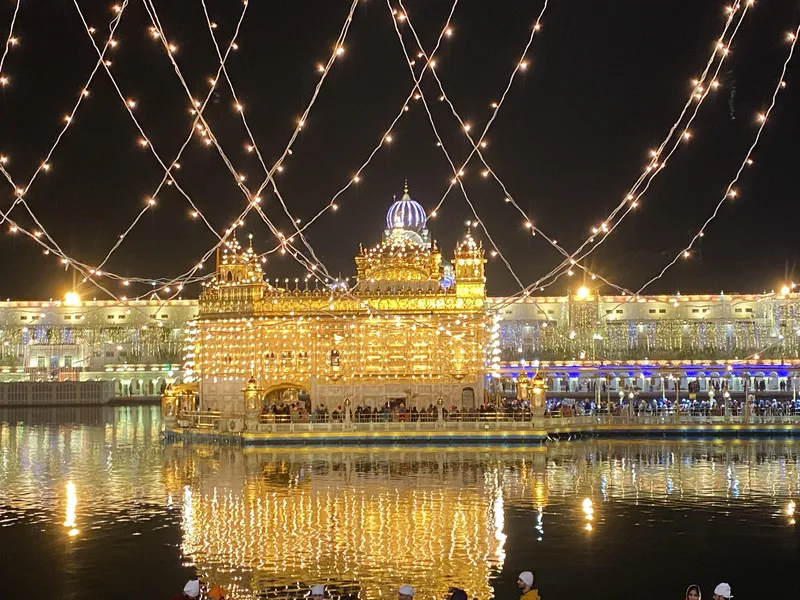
{"points": [[405, 186]]}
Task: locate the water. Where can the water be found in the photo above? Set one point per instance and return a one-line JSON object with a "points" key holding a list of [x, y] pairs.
{"points": [[92, 504]]}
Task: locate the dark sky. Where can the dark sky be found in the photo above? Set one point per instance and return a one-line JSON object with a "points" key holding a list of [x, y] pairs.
{"points": [[606, 81]]}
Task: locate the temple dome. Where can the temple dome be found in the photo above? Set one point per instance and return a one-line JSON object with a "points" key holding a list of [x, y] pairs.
{"points": [[407, 214]]}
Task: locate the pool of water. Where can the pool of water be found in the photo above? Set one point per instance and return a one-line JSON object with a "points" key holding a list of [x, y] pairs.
{"points": [[93, 504]]}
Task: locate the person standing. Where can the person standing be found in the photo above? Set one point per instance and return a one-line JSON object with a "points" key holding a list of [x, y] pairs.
{"points": [[317, 592], [525, 584], [723, 592]]}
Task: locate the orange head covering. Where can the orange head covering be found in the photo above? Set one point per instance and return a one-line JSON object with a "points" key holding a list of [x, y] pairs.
{"points": [[216, 593]]}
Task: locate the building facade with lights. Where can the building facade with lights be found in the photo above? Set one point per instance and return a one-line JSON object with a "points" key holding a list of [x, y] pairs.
{"points": [[413, 329], [408, 333], [652, 343], [138, 345]]}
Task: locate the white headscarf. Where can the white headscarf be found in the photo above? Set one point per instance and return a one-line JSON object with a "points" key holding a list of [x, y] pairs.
{"points": [[192, 588]]}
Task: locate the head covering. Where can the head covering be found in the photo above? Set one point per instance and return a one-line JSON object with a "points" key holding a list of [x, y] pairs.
{"points": [[724, 590], [216, 593], [694, 587], [318, 590], [526, 577], [192, 588], [406, 590], [458, 594]]}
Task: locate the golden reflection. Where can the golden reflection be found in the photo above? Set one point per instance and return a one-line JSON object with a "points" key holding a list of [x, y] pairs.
{"points": [[72, 504], [354, 521], [588, 512], [790, 511]]}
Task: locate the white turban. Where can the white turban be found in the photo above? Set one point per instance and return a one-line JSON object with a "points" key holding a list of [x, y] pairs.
{"points": [[318, 590], [192, 588]]}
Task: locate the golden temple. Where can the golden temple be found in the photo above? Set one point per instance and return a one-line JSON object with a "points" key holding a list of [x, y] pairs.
{"points": [[411, 331]]}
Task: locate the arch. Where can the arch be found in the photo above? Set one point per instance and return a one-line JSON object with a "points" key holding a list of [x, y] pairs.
{"points": [[287, 392], [228, 276], [286, 385]]}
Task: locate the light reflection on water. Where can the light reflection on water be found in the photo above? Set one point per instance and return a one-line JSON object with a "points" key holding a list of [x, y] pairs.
{"points": [[366, 520]]}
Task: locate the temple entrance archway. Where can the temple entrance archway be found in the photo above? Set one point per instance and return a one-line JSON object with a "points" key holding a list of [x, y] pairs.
{"points": [[286, 394]]}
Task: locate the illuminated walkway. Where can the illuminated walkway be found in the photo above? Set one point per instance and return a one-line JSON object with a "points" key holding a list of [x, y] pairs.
{"points": [[493, 431]]}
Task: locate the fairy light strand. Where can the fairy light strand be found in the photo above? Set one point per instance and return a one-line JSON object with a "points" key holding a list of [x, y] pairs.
{"points": [[251, 197], [456, 172], [250, 135], [476, 145], [168, 178], [560, 270], [248, 195], [10, 41], [631, 199], [68, 121], [729, 190], [331, 205]]}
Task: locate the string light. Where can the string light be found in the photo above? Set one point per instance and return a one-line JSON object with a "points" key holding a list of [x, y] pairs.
{"points": [[209, 141], [466, 127], [646, 178], [730, 191], [6, 216]]}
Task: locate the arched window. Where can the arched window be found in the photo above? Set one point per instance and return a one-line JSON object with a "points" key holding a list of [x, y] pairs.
{"points": [[229, 276], [334, 358]]}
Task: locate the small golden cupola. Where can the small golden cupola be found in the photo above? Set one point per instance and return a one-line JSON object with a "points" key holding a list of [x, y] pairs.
{"points": [[468, 267], [239, 278]]}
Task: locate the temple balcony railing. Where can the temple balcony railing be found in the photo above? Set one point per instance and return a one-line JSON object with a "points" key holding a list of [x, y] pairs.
{"points": [[553, 423]]}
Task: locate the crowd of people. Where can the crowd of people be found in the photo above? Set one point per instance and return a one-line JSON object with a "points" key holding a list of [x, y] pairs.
{"points": [[525, 583], [664, 406], [394, 413], [514, 410]]}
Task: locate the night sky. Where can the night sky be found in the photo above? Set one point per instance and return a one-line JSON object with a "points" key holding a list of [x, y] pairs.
{"points": [[606, 81]]}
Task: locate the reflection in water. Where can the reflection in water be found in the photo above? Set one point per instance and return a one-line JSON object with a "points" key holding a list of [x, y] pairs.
{"points": [[72, 502], [366, 520]]}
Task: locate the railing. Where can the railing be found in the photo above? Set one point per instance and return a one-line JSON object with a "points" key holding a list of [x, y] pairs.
{"points": [[200, 420], [469, 421]]}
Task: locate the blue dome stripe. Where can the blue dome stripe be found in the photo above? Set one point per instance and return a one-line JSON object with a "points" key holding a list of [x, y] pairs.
{"points": [[406, 213]]}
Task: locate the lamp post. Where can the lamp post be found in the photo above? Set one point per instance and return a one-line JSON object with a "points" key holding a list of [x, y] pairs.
{"points": [[677, 381], [252, 394], [711, 395], [538, 387], [347, 411], [746, 399]]}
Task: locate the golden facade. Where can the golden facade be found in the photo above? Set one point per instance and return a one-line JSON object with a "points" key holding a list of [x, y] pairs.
{"points": [[410, 331]]}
